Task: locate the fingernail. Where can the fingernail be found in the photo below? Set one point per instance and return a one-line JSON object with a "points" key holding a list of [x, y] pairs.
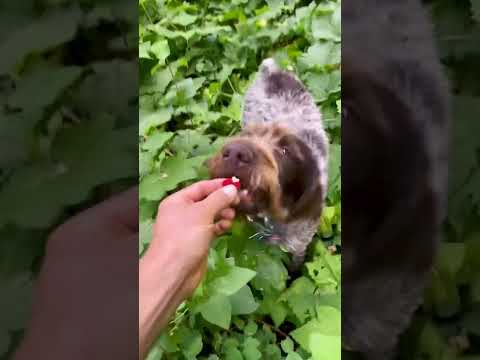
{"points": [[230, 191]]}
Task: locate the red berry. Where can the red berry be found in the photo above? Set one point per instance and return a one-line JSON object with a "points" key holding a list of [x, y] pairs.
{"points": [[232, 181]]}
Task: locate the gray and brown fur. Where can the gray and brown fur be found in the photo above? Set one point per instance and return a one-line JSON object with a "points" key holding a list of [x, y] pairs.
{"points": [[286, 153]]}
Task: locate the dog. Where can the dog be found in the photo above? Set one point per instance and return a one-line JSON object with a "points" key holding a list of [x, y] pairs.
{"points": [[395, 125], [281, 159]]}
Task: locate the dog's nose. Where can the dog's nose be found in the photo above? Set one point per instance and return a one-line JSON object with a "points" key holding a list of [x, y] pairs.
{"points": [[237, 154]]}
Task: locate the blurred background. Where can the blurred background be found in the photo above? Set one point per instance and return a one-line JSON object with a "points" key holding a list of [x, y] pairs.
{"points": [[448, 324]]}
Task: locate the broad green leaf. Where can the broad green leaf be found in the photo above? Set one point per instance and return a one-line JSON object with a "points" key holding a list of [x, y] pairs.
{"points": [[46, 189], [192, 344], [287, 345], [192, 142], [250, 349], [40, 35], [184, 19], [324, 28], [319, 55], [301, 299], [270, 273], [53, 83], [250, 329], [156, 141], [295, 356], [243, 301], [161, 50], [217, 310], [233, 354], [144, 50], [233, 281], [154, 119], [272, 352], [321, 336], [174, 171]]}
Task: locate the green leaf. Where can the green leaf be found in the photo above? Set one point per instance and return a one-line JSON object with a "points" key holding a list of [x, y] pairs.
{"points": [[53, 83], [243, 302], [276, 308], [174, 171], [233, 354], [153, 119], [157, 141], [192, 142], [161, 50], [295, 356], [217, 310], [144, 50], [320, 55], [271, 273], [46, 189], [301, 299], [39, 35], [192, 344], [272, 352], [250, 349], [145, 234], [323, 85], [322, 336], [250, 329], [324, 27], [287, 345], [233, 281], [184, 19]]}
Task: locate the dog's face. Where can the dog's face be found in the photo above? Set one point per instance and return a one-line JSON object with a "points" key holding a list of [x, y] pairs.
{"points": [[277, 171]]}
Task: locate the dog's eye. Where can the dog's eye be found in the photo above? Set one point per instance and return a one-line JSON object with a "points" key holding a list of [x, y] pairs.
{"points": [[284, 151]]}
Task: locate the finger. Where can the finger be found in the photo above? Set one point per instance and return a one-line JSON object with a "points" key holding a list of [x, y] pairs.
{"points": [[228, 214], [218, 200], [199, 190], [222, 226]]}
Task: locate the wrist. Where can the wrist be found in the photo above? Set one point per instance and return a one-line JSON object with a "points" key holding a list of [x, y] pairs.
{"points": [[160, 292]]}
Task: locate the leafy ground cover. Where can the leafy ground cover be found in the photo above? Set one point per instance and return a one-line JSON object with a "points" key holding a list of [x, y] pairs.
{"points": [[196, 61], [448, 325]]}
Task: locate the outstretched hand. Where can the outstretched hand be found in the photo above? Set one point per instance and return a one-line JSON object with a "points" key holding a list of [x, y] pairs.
{"points": [[176, 260]]}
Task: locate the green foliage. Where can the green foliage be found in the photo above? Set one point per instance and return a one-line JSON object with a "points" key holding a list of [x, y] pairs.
{"points": [[196, 61], [68, 94], [446, 327]]}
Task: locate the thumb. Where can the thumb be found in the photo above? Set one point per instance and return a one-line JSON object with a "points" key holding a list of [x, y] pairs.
{"points": [[219, 200]]}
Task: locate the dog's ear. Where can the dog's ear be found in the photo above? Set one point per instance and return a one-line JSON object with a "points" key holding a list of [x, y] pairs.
{"points": [[300, 180]]}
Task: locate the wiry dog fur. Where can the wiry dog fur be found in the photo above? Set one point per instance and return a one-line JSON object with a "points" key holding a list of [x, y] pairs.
{"points": [[394, 168], [287, 153]]}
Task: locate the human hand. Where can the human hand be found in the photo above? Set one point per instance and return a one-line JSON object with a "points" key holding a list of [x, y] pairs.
{"points": [[176, 260], [85, 299], [187, 221]]}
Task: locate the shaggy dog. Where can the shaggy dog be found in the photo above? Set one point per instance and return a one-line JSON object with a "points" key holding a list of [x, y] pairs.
{"points": [[394, 168], [280, 157]]}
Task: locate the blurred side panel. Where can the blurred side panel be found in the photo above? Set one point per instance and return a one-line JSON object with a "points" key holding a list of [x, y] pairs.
{"points": [[68, 142], [410, 100]]}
